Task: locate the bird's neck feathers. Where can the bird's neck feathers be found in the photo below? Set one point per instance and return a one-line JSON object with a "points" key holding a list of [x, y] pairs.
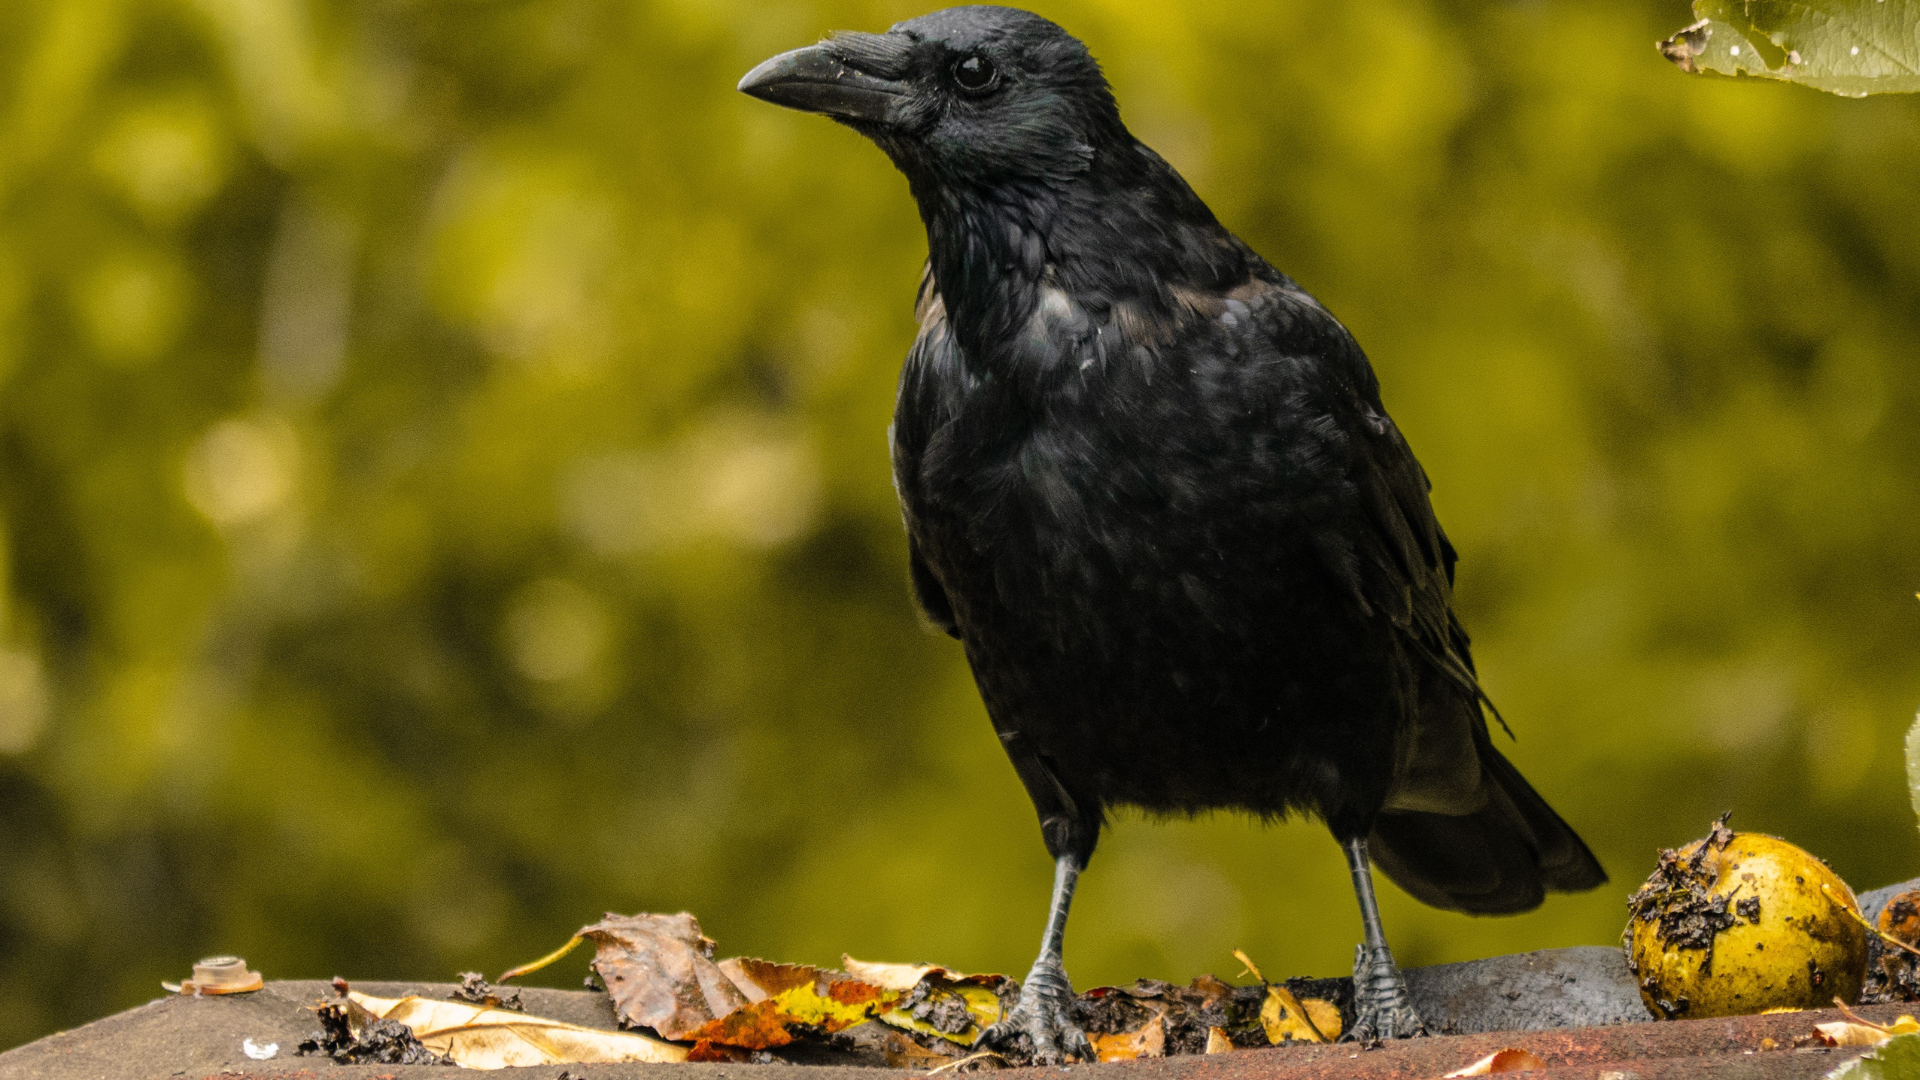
{"points": [[1125, 242]]}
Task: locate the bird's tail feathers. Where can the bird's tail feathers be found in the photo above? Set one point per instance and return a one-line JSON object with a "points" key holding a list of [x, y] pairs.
{"points": [[1500, 859]]}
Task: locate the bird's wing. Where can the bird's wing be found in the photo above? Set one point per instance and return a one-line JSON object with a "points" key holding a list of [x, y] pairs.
{"points": [[1388, 549], [1403, 567]]}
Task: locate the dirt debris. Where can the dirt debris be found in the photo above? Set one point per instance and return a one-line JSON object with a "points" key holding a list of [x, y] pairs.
{"points": [[1896, 976], [1678, 895], [474, 988], [384, 1042], [1190, 1014]]}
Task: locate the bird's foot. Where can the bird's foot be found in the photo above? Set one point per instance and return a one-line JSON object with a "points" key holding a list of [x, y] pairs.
{"points": [[1040, 1027], [1382, 1007]]}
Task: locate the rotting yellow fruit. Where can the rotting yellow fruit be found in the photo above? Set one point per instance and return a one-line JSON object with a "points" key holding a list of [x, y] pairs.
{"points": [[1739, 923]]}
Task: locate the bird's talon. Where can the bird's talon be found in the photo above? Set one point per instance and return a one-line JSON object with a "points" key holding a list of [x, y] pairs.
{"points": [[1040, 1025], [1383, 1008]]}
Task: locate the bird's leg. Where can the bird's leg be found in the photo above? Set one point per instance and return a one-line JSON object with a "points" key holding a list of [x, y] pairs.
{"points": [[1382, 1007], [1043, 1013]]}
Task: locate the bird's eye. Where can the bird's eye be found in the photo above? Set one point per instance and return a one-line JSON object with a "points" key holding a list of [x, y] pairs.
{"points": [[975, 73]]}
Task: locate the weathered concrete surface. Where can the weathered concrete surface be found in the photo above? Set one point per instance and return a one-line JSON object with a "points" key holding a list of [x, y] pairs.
{"points": [[1587, 986], [1557, 988], [185, 1037]]}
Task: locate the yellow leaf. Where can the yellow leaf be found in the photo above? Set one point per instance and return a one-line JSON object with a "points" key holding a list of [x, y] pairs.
{"points": [[978, 995], [1217, 1041], [1847, 1033], [1286, 1019], [482, 1038], [1149, 1041], [1325, 1016], [1241, 956]]}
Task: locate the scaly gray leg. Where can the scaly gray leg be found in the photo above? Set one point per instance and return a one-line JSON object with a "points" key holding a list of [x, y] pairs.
{"points": [[1381, 1005], [1043, 1014]]}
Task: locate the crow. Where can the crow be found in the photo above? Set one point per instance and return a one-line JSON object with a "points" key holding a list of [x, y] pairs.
{"points": [[1148, 483]]}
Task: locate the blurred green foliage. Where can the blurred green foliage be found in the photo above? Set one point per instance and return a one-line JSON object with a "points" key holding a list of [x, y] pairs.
{"points": [[445, 491]]}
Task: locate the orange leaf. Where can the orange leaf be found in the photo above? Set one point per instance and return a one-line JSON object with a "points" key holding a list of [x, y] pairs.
{"points": [[1149, 1041], [783, 996], [1501, 1061]]}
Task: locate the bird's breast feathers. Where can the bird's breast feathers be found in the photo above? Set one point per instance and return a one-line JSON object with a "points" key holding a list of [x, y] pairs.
{"points": [[1125, 437]]}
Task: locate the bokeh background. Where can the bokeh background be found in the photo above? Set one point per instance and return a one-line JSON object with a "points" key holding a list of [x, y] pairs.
{"points": [[445, 492]]}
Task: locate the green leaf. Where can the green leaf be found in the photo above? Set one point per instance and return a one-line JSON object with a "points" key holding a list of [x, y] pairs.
{"points": [[1896, 1059], [1847, 47], [1913, 765]]}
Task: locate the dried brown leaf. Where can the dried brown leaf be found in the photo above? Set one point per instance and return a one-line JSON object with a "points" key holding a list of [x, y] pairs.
{"points": [[660, 972]]}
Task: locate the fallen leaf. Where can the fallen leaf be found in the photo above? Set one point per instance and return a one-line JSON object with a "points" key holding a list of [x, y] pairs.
{"points": [[1287, 1019], [936, 1001], [1855, 1031], [660, 972], [890, 976], [1212, 990], [1896, 1059], [1241, 956], [1501, 1061], [1217, 1041], [1859, 1030], [1847, 1033], [483, 1038], [779, 997], [1149, 1041], [710, 1051]]}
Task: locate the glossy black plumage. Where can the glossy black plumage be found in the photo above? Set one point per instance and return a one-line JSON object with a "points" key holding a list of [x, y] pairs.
{"points": [[1149, 483]]}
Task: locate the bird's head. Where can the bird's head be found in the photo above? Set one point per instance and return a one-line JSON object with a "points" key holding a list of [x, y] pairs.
{"points": [[966, 97]]}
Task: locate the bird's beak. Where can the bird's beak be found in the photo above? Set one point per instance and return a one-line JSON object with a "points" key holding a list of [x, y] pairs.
{"points": [[819, 79]]}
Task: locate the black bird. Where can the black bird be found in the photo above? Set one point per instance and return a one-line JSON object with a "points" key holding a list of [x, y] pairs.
{"points": [[1149, 484]]}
